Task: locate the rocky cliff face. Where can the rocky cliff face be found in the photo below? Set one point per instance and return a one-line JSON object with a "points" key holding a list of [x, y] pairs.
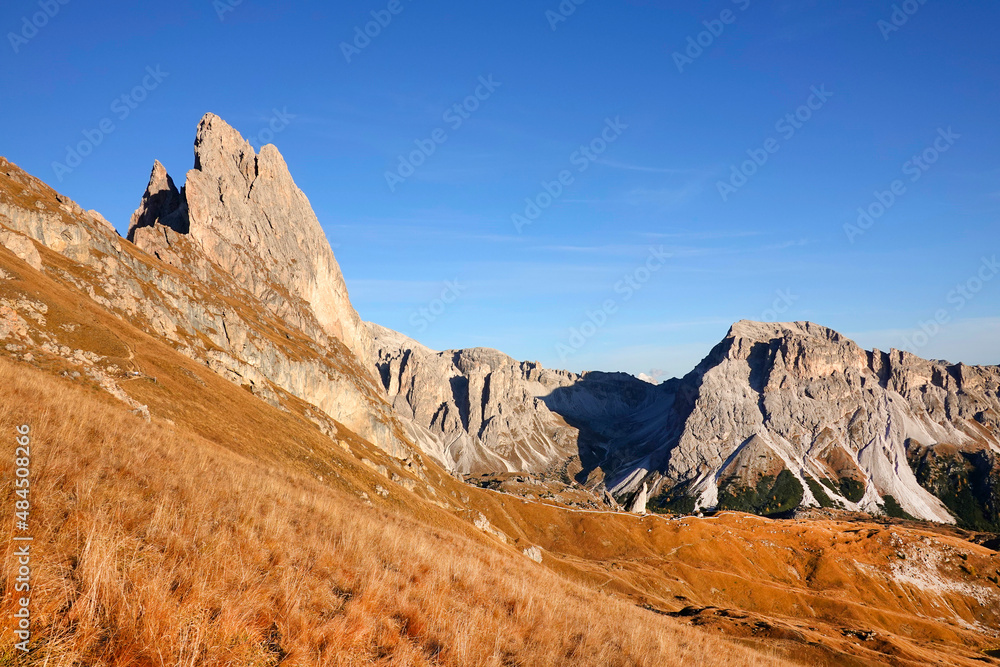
{"points": [[475, 410], [274, 332], [795, 412], [478, 411], [245, 215], [777, 416], [234, 271]]}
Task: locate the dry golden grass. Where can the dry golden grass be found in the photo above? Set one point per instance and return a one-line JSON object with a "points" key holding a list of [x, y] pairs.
{"points": [[210, 542], [794, 588], [154, 546]]}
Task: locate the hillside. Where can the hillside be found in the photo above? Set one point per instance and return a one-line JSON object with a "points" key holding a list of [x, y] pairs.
{"points": [[216, 471], [155, 545], [777, 417], [202, 436]]}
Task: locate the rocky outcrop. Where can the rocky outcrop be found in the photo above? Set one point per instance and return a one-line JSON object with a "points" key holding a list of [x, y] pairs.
{"points": [[245, 215], [234, 270], [776, 416], [22, 246], [161, 204], [474, 410], [191, 301], [480, 411], [641, 498], [802, 398]]}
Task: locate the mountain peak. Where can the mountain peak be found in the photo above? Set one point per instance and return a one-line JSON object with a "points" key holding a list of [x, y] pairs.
{"points": [[161, 203], [765, 331], [218, 143], [247, 215]]}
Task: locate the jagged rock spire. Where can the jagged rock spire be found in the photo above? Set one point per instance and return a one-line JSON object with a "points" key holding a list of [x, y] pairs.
{"points": [[639, 504], [248, 217], [161, 203]]}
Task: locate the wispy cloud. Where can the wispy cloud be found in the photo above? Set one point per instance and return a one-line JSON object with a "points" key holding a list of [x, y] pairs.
{"points": [[701, 236], [625, 249], [444, 225], [569, 248], [702, 251], [615, 164], [665, 197], [675, 250]]}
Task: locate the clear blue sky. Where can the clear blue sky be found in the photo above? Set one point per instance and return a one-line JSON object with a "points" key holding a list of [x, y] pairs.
{"points": [[779, 237]]}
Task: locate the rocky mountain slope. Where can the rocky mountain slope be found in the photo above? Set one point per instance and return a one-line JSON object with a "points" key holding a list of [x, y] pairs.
{"points": [[478, 410], [210, 331], [844, 422], [245, 214], [776, 417], [234, 271]]}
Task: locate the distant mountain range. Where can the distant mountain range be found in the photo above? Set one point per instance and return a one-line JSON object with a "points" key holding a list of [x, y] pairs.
{"points": [[234, 270]]}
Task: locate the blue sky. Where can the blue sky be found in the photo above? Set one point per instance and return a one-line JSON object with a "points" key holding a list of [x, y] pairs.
{"points": [[775, 247]]}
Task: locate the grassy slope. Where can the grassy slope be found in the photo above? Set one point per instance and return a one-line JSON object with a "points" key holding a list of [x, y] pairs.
{"points": [[205, 538], [224, 490], [155, 546]]}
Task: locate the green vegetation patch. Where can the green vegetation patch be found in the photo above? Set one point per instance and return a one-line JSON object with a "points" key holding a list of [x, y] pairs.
{"points": [[771, 495], [893, 509], [674, 501], [817, 491], [852, 489], [968, 483]]}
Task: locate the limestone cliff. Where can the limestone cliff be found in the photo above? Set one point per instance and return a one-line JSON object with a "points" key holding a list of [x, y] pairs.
{"points": [[234, 270], [245, 214], [843, 421], [776, 416], [255, 333]]}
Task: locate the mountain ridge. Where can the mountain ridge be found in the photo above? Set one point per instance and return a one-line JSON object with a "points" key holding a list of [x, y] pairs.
{"points": [[175, 338], [793, 411], [679, 448], [243, 209]]}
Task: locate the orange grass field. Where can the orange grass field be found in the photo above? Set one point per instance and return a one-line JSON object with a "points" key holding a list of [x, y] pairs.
{"points": [[154, 546]]}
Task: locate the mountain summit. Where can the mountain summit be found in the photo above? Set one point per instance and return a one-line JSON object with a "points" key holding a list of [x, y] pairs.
{"points": [[247, 216], [778, 416], [206, 388], [851, 426]]}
